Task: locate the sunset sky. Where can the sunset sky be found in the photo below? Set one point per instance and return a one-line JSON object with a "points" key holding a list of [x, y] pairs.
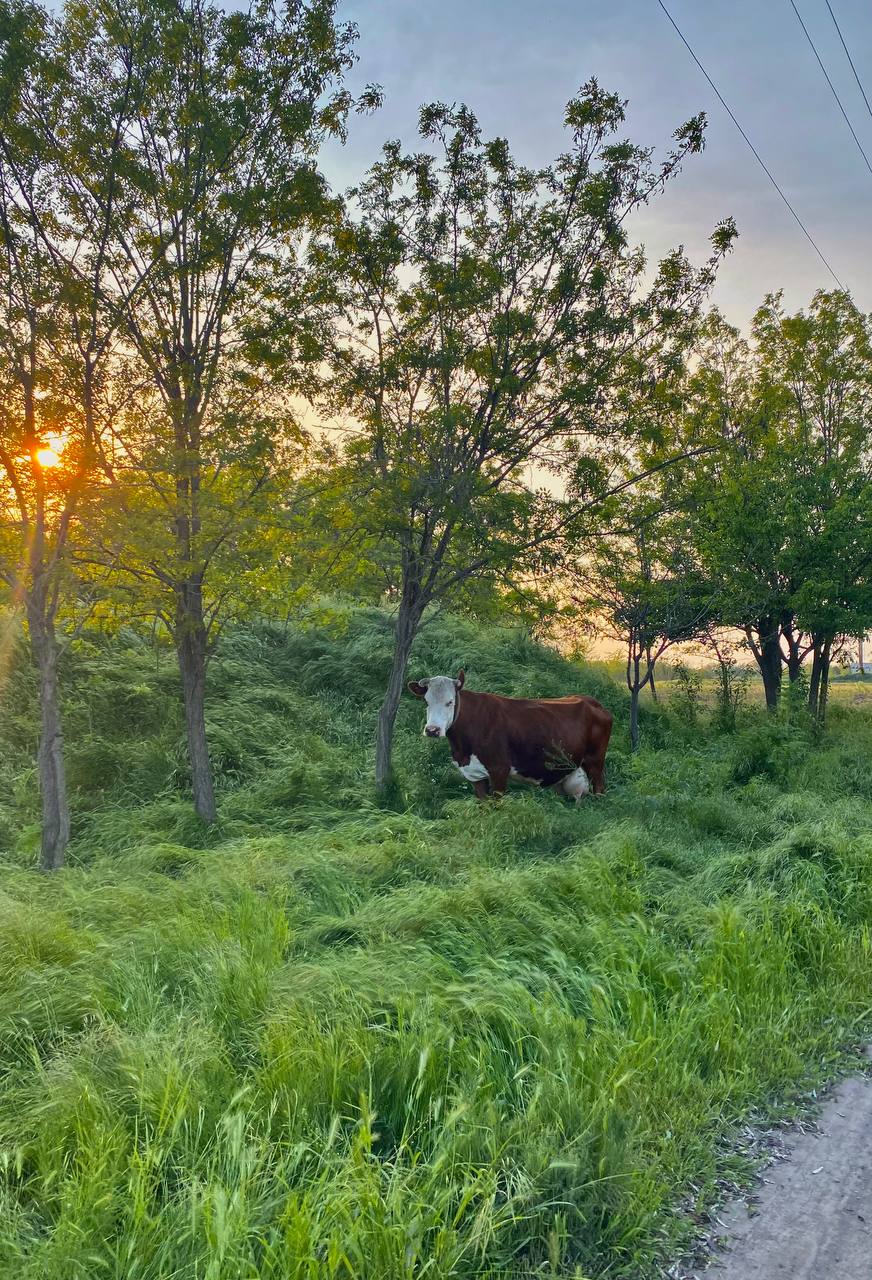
{"points": [[516, 63]]}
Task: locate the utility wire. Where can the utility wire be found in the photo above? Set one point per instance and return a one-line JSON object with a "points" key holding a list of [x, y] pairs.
{"points": [[848, 56], [832, 86], [799, 222]]}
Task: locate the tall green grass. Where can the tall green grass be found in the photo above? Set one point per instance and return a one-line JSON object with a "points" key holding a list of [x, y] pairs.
{"points": [[335, 1040]]}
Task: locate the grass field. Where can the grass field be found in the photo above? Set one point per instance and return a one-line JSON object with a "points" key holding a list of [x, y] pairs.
{"points": [[427, 1040], [845, 688]]}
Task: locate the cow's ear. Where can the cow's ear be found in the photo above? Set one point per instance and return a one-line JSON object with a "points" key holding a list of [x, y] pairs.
{"points": [[461, 676], [418, 687]]}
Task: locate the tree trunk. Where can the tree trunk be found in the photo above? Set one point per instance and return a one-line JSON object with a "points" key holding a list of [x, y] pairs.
{"points": [[408, 618], [768, 657], [651, 662], [820, 679], [634, 684], [794, 655], [814, 683], [634, 717], [770, 669], [52, 774], [191, 648], [825, 685]]}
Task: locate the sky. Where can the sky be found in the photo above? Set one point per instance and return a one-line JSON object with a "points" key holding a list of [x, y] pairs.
{"points": [[517, 62]]}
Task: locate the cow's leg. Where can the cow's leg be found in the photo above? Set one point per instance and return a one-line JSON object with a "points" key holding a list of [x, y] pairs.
{"points": [[482, 788], [576, 785], [596, 773], [499, 776]]}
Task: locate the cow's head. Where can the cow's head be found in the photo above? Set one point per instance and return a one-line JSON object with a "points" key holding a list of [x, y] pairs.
{"points": [[442, 696]]}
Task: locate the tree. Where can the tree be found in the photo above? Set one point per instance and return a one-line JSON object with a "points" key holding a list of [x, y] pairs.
{"points": [[37, 502], [55, 337], [641, 588], [190, 134], [820, 361], [779, 504], [479, 311], [731, 491]]}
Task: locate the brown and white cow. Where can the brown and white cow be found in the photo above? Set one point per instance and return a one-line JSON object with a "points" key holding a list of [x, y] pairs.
{"points": [[555, 742]]}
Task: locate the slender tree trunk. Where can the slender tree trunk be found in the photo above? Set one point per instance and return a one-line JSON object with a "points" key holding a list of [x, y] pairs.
{"points": [[825, 684], [820, 679], [41, 613], [792, 640], [191, 633], [814, 683], [634, 684], [651, 662], [52, 774], [770, 669], [192, 649], [634, 716], [408, 619]]}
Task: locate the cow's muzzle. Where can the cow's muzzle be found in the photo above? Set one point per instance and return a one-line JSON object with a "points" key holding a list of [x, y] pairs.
{"points": [[432, 731]]}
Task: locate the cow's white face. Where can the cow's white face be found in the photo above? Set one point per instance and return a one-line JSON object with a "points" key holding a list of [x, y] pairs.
{"points": [[442, 697]]}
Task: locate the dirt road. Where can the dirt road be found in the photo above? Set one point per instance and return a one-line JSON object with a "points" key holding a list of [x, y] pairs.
{"points": [[812, 1218]]}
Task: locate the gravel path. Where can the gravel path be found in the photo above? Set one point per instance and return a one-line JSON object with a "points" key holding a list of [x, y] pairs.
{"points": [[812, 1216]]}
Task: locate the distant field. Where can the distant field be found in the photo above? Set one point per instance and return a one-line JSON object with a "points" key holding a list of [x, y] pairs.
{"points": [[846, 690], [440, 1039], [852, 692]]}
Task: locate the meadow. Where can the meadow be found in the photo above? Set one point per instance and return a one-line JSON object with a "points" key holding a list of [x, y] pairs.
{"points": [[426, 1038]]}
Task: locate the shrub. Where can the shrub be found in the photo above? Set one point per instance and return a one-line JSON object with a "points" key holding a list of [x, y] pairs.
{"points": [[766, 750], [731, 694], [686, 699]]}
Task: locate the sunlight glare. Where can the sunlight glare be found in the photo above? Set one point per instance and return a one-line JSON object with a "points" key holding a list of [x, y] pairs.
{"points": [[50, 454]]}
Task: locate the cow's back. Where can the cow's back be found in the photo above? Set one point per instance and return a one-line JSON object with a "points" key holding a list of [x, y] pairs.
{"points": [[577, 724], [537, 738]]}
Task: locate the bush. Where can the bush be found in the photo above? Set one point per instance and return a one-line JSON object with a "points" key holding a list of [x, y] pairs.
{"points": [[686, 700], [732, 693], [768, 749]]}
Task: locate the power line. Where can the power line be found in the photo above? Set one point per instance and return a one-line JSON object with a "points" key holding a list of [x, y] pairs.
{"points": [[832, 86], [848, 56], [799, 222]]}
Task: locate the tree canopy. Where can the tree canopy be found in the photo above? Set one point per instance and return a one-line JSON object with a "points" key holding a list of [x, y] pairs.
{"points": [[480, 312]]}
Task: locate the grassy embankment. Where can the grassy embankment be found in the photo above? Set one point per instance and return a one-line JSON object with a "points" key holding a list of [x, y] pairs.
{"points": [[334, 1040]]}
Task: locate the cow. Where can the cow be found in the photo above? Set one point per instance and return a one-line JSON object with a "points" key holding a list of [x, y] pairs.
{"points": [[553, 742]]}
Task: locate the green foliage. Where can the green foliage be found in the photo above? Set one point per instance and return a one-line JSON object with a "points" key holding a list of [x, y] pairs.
{"points": [[476, 313], [641, 586], [686, 698], [157, 177], [767, 751], [775, 499], [732, 692], [454, 1039]]}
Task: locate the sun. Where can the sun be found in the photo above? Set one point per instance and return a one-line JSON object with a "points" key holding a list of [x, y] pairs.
{"points": [[50, 454]]}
